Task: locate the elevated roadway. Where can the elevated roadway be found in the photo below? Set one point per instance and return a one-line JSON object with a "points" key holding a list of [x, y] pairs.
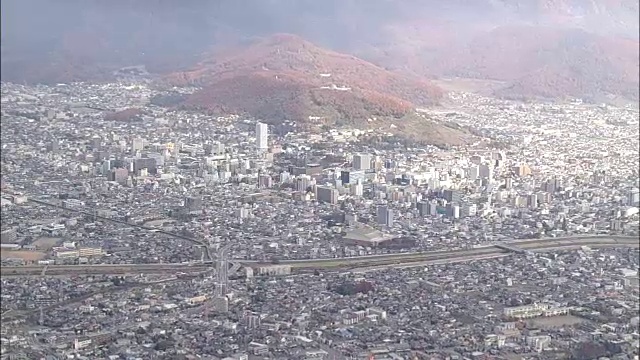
{"points": [[101, 269], [486, 251]]}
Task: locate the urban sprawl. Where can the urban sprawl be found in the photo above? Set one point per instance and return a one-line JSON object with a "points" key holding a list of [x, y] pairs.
{"points": [[169, 234]]}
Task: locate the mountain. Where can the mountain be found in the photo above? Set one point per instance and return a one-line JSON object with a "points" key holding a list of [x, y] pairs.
{"points": [[293, 58], [89, 39], [284, 77], [546, 62]]}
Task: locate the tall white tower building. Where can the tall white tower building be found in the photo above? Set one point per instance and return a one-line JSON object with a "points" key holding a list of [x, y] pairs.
{"points": [[262, 136]]}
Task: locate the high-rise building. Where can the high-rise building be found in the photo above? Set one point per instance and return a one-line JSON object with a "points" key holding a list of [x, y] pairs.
{"points": [[486, 172], [265, 181], [521, 170], [362, 162], [106, 167], [468, 210], [532, 201], [423, 208], [357, 189], [473, 172], [352, 177], [453, 211], [262, 136], [508, 183], [384, 215], [118, 175], [432, 209], [553, 185], [452, 196], [302, 183], [326, 194], [138, 145], [634, 197], [284, 177]]}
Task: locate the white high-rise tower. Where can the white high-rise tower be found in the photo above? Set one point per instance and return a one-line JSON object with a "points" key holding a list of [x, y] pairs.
{"points": [[262, 136]]}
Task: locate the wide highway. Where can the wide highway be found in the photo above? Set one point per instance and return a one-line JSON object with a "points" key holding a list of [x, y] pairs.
{"points": [[485, 251]]}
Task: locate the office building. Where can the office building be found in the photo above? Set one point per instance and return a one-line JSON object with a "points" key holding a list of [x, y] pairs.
{"points": [[432, 208], [325, 194], [473, 172], [265, 181], [106, 167], [553, 185], [634, 197], [452, 196], [353, 176], [119, 175], [508, 183], [284, 177], [362, 162], [302, 183], [423, 208], [138, 145], [262, 136], [453, 211], [144, 163], [384, 215], [214, 148], [357, 189], [486, 172], [521, 170], [469, 210]]}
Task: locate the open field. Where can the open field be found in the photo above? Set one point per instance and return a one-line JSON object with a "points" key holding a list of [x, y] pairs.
{"points": [[46, 243], [22, 254]]}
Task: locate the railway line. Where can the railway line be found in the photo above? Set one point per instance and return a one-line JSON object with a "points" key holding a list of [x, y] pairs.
{"points": [[488, 251]]}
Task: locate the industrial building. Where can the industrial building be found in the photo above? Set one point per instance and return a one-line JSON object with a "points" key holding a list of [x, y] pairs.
{"points": [[366, 236]]}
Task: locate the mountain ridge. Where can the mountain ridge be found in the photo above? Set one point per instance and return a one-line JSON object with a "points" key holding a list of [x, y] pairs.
{"points": [[88, 40], [284, 77]]}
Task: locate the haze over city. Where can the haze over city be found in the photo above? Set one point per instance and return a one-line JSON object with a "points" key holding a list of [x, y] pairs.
{"points": [[297, 179]]}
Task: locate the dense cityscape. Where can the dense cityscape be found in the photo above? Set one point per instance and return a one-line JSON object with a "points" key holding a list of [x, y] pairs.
{"points": [[188, 236]]}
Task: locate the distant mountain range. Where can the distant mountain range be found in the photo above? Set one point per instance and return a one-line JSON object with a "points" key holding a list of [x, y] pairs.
{"points": [[537, 48], [546, 62]]}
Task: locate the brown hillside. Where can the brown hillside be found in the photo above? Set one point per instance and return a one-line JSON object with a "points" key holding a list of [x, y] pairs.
{"points": [[547, 62], [302, 62], [286, 78]]}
